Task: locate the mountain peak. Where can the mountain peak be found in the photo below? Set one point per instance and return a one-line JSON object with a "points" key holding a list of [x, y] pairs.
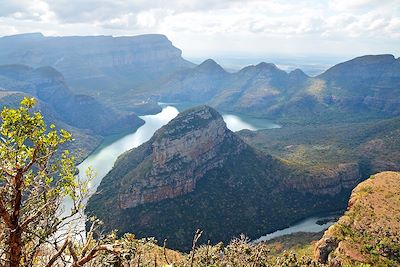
{"points": [[264, 65], [202, 111], [261, 67], [49, 72], [371, 59], [180, 154], [210, 65], [189, 120], [298, 73]]}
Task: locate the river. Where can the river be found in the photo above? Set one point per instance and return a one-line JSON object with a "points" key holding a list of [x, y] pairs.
{"points": [[103, 158], [309, 225]]}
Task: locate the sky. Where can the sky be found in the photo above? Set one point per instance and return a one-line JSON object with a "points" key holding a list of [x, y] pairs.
{"points": [[222, 28]]}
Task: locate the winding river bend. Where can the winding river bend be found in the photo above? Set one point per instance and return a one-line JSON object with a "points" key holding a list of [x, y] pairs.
{"points": [[102, 160]]}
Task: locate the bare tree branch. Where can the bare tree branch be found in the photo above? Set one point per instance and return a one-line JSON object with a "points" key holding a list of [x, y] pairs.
{"points": [[58, 254]]}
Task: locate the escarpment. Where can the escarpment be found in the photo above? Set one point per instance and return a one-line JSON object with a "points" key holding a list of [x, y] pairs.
{"points": [[329, 181], [181, 153]]}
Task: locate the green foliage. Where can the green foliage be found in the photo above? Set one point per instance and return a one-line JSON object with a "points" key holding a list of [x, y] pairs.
{"points": [[33, 182], [316, 149], [26, 142]]}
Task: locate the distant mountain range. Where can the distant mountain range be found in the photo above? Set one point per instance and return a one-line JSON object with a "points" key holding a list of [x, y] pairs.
{"points": [[368, 84], [133, 73]]}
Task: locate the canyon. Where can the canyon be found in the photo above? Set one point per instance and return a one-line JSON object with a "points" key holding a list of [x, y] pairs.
{"points": [[196, 169], [338, 128]]}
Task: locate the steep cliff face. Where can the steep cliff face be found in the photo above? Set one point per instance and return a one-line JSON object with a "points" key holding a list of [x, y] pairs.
{"points": [[181, 154], [195, 173], [343, 177], [369, 82], [369, 232]]}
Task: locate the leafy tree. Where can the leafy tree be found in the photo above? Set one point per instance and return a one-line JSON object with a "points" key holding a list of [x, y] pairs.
{"points": [[34, 182]]}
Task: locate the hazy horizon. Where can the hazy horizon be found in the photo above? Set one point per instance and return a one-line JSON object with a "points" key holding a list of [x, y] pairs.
{"points": [[227, 29], [312, 65]]}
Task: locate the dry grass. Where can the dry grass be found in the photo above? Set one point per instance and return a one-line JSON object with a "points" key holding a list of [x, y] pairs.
{"points": [[369, 232]]}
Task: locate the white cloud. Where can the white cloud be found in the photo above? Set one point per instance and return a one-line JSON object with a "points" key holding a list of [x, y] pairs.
{"points": [[346, 5], [209, 26]]}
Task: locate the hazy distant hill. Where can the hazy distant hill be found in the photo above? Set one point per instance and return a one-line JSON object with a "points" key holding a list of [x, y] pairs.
{"points": [[249, 88], [83, 115], [368, 85], [257, 88], [369, 82], [197, 85], [195, 173], [106, 67], [133, 73]]}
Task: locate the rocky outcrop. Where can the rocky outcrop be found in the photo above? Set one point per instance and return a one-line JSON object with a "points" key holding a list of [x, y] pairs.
{"points": [[328, 181], [181, 153], [325, 247], [369, 230]]}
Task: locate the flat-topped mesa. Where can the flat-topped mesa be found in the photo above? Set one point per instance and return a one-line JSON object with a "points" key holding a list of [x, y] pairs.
{"points": [[180, 154], [93, 64], [104, 51]]}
